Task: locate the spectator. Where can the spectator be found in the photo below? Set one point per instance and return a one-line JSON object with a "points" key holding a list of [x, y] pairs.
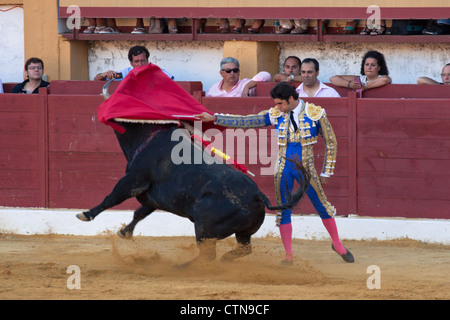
{"points": [[439, 27], [374, 30], [257, 26], [231, 85], [138, 56], [111, 27], [350, 27], [311, 86], [445, 74], [374, 74], [291, 70], [297, 26], [201, 23], [225, 25], [140, 28], [101, 25], [1, 86], [34, 71], [95, 25], [157, 25], [173, 28]]}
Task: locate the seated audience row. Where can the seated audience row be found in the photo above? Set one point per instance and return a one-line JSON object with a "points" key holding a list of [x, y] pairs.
{"points": [[374, 73], [281, 26], [109, 26], [297, 26]]}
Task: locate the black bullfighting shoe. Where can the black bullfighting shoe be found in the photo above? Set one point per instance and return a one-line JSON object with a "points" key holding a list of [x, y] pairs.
{"points": [[347, 257]]}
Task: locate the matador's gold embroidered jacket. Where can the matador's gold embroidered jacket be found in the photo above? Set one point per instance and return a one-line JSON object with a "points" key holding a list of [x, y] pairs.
{"points": [[312, 121]]}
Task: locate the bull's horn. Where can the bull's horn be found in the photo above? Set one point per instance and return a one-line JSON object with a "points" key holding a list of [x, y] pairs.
{"points": [[105, 92]]}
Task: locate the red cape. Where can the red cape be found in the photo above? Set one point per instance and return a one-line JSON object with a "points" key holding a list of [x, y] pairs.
{"points": [[147, 93]]}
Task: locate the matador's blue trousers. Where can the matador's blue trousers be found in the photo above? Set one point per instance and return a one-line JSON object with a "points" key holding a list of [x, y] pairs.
{"points": [[285, 175]]}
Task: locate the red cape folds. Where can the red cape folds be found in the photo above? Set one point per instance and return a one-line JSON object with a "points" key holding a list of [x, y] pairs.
{"points": [[147, 93]]}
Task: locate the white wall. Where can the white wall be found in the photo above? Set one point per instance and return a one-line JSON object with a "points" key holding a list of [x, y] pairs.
{"points": [[199, 61], [195, 61], [406, 61], [164, 224], [11, 44]]}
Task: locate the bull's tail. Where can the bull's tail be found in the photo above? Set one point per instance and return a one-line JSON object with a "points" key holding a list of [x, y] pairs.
{"points": [[299, 193]]}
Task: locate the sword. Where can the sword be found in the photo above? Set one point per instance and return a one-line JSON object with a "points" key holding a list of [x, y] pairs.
{"points": [[223, 155], [184, 116]]}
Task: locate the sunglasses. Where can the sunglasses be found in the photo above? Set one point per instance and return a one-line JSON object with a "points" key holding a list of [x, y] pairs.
{"points": [[235, 70]]}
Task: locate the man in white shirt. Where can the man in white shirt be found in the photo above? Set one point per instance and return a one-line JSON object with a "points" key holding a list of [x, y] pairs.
{"points": [[311, 86]]}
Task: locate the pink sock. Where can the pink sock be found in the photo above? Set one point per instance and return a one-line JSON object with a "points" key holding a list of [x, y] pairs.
{"points": [[330, 225], [286, 238]]}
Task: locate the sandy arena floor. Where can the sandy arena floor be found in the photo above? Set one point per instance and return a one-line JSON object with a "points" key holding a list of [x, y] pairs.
{"points": [[35, 267]]}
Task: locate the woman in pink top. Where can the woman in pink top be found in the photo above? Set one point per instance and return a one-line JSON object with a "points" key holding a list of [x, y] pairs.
{"points": [[231, 85]]}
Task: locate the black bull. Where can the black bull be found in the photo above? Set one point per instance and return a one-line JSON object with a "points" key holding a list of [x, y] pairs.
{"points": [[217, 198]]}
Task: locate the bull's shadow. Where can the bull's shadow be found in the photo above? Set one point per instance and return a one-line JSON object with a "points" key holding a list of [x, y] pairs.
{"points": [[217, 198]]}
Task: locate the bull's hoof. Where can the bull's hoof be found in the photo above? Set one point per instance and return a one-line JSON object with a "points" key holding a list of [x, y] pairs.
{"points": [[183, 266], [236, 253], [227, 258], [124, 234], [188, 264], [83, 217]]}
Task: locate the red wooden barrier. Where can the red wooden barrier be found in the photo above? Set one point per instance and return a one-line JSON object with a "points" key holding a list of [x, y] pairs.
{"points": [[23, 145], [95, 87], [392, 158], [408, 91], [80, 87], [7, 87], [403, 158]]}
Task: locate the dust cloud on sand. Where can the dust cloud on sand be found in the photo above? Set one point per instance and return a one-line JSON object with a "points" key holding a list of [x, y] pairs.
{"points": [[36, 267]]}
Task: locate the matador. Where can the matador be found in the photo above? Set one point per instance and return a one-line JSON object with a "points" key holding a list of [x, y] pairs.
{"points": [[298, 125]]}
